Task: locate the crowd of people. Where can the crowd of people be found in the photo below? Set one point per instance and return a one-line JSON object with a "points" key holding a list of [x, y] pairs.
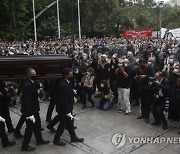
{"points": [[140, 72]]}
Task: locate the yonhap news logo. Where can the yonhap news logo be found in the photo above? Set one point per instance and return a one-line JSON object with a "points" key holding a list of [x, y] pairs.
{"points": [[120, 139]]}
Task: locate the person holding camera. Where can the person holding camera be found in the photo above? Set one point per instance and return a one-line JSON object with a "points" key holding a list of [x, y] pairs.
{"points": [[144, 72], [106, 96], [123, 75], [150, 51], [87, 88], [161, 85]]}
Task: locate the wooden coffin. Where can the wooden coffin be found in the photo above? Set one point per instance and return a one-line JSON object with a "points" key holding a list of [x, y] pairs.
{"points": [[46, 66]]}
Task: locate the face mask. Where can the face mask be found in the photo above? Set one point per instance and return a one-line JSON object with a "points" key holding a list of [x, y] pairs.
{"points": [[137, 60], [34, 78], [102, 85], [176, 70], [76, 71], [125, 65], [158, 50], [149, 63]]}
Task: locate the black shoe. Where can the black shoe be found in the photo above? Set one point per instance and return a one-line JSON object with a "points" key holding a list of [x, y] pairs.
{"points": [[52, 130], [84, 106], [76, 139], [147, 120], [42, 142], [29, 148], [75, 127], [42, 129], [165, 126], [10, 143], [60, 143], [155, 123], [18, 135], [127, 113], [120, 110], [140, 117]]}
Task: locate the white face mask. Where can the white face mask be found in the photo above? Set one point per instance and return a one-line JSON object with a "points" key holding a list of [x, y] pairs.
{"points": [[125, 65], [176, 70], [77, 71], [102, 85]]}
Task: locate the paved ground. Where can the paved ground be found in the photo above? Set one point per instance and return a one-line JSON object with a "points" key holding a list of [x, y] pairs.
{"points": [[98, 127]]}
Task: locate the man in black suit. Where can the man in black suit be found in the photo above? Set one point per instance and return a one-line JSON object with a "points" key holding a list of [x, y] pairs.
{"points": [[64, 106], [5, 108], [30, 108], [4, 139]]}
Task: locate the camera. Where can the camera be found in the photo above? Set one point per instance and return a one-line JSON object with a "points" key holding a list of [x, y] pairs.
{"points": [[152, 78]]}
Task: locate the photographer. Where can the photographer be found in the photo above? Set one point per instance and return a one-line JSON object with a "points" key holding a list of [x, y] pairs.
{"points": [[144, 72], [161, 93], [12, 93], [106, 95], [77, 74], [150, 51], [103, 68], [87, 88], [123, 75]]}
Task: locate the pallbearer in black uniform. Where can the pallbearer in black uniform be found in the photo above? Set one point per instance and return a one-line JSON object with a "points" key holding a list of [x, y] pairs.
{"points": [[64, 105], [30, 108], [3, 136]]}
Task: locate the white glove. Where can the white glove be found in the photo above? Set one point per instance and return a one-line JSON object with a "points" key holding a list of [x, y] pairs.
{"points": [[75, 100], [2, 119], [70, 116], [31, 118], [75, 92]]}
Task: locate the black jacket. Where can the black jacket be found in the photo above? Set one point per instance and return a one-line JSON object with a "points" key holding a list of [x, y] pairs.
{"points": [[64, 97], [30, 104], [4, 99], [143, 83], [122, 81]]}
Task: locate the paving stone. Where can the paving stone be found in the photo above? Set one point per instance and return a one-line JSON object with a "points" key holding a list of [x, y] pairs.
{"points": [[98, 127]]}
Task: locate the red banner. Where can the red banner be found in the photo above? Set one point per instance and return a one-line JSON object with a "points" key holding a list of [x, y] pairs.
{"points": [[138, 33]]}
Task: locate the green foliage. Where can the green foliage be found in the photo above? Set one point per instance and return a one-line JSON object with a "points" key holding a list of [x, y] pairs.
{"points": [[98, 17]]}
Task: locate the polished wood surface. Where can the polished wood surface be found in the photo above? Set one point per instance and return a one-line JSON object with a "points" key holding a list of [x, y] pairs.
{"points": [[46, 66]]}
